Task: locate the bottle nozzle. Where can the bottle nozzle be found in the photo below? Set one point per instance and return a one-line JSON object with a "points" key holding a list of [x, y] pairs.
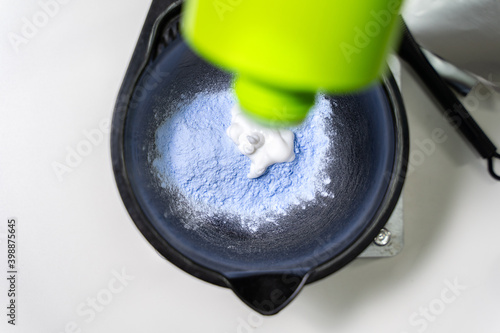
{"points": [[273, 105]]}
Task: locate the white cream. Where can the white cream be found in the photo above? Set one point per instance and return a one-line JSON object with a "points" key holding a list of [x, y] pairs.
{"points": [[264, 146]]}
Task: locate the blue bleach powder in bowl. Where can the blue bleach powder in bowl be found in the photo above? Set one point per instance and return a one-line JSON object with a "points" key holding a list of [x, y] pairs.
{"points": [[196, 159]]}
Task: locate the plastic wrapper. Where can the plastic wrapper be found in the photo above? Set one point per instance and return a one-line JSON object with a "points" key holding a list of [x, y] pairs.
{"points": [[465, 33]]}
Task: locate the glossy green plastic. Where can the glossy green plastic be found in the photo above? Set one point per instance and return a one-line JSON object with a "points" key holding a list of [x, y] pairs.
{"points": [[283, 52]]}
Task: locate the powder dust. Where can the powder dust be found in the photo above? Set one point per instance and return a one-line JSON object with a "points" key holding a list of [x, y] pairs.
{"points": [[196, 159]]}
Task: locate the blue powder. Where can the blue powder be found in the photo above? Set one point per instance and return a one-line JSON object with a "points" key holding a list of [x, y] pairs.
{"points": [[196, 158]]}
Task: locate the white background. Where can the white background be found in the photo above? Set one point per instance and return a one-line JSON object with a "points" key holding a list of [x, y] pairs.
{"points": [[74, 234]]}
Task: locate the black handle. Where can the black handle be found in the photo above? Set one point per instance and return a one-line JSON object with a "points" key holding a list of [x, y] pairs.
{"points": [[453, 110]]}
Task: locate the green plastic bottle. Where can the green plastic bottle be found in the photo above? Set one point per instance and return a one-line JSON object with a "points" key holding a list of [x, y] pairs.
{"points": [[283, 52]]}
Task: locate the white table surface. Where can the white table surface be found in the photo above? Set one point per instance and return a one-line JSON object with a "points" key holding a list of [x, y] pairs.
{"points": [[75, 234]]}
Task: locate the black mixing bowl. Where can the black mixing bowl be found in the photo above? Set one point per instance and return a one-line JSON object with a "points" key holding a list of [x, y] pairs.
{"points": [[267, 267]]}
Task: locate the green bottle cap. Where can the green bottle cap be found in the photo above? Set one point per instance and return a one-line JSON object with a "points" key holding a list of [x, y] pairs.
{"points": [[283, 52]]}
